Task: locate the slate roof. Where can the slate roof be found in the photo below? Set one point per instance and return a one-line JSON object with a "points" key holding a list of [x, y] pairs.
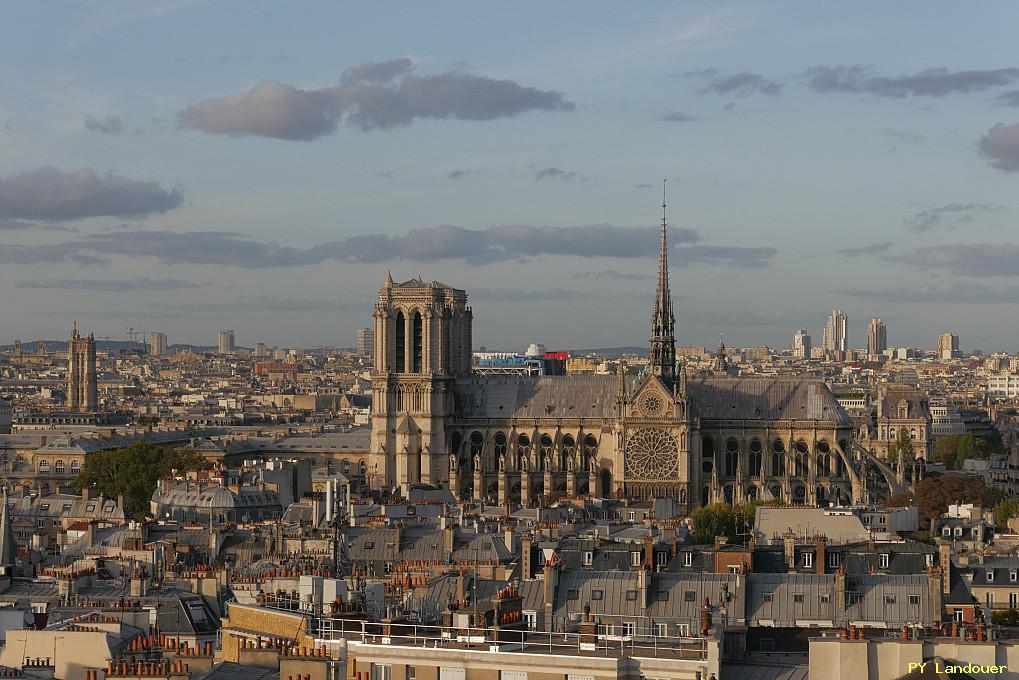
{"points": [[570, 396], [765, 399], [790, 600], [885, 598]]}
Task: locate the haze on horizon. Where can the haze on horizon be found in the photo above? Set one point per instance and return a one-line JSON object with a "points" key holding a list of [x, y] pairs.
{"points": [[182, 166]]}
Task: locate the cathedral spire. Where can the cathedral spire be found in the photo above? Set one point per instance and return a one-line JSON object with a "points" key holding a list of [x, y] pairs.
{"points": [[662, 358]]}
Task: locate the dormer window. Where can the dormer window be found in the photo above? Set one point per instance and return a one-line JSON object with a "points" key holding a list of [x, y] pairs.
{"points": [[1013, 576], [958, 532], [882, 560], [833, 559], [688, 559], [808, 560], [990, 576]]}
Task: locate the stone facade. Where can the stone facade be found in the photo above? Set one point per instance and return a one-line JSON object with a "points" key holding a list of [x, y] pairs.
{"points": [[504, 439]]}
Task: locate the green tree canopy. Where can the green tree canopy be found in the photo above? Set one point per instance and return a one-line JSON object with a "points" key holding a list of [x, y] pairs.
{"points": [[953, 449], [1006, 510], [933, 494], [722, 519], [134, 471], [904, 443]]}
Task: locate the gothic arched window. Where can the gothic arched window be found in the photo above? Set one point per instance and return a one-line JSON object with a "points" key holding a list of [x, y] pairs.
{"points": [[401, 343]]}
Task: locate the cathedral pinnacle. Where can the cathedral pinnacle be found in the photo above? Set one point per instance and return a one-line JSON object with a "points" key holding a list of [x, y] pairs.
{"points": [[662, 358]]}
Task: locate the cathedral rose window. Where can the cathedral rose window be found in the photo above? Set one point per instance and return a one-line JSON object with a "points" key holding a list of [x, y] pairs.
{"points": [[652, 453]]}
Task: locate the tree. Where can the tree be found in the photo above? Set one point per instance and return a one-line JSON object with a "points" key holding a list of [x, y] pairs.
{"points": [[904, 444], [933, 494], [134, 472], [1005, 510], [953, 449], [1006, 618], [722, 519]]}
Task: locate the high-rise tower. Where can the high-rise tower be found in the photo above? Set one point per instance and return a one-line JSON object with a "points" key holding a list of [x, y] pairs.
{"points": [[81, 372], [662, 357], [877, 337]]}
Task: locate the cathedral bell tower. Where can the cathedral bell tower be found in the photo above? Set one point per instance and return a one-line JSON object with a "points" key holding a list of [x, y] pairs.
{"points": [[422, 344]]}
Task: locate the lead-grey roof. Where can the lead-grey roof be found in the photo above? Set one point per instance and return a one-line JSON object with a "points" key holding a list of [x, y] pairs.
{"points": [[782, 600], [765, 399], [874, 603], [570, 396]]}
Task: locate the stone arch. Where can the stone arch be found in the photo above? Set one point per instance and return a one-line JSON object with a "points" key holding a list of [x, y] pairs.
{"points": [[606, 482], [778, 457], [567, 451], [756, 457], [400, 350], [523, 450], [590, 450], [546, 446], [417, 342], [731, 457]]}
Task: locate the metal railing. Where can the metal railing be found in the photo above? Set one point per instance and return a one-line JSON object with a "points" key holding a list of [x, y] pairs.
{"points": [[511, 640]]}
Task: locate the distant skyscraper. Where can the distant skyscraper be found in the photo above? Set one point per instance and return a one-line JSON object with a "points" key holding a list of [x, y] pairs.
{"points": [[157, 344], [877, 337], [260, 350], [801, 344], [834, 337], [948, 345], [365, 341], [81, 372], [226, 341]]}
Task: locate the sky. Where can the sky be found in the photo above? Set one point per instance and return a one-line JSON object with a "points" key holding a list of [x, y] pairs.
{"points": [[184, 166]]}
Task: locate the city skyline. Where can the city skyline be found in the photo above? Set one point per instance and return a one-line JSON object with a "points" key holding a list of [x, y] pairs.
{"points": [[270, 189]]}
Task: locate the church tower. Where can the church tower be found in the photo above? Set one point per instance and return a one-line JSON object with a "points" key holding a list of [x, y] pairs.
{"points": [[81, 372], [662, 357], [422, 344]]}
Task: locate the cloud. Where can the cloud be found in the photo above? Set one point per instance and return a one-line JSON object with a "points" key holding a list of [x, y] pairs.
{"points": [[52, 194], [899, 134], [948, 216], [461, 174], [732, 256], [372, 96], [519, 295], [110, 285], [676, 117], [110, 126], [1010, 98], [934, 82], [1001, 146], [966, 259], [872, 249], [431, 244], [743, 84], [613, 274], [938, 292], [558, 173]]}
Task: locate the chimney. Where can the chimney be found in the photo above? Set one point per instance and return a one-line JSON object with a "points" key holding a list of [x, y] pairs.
{"points": [[789, 546], [551, 581], [840, 593], [934, 587], [945, 563], [508, 537], [643, 586], [649, 553], [448, 538], [819, 555], [526, 568]]}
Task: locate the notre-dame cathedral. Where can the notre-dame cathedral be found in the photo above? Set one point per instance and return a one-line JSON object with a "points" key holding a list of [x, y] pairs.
{"points": [[661, 433]]}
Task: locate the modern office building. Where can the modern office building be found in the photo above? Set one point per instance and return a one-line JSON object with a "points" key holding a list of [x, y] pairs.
{"points": [[226, 341], [877, 338], [801, 344], [948, 346], [365, 342], [157, 344], [834, 336]]}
